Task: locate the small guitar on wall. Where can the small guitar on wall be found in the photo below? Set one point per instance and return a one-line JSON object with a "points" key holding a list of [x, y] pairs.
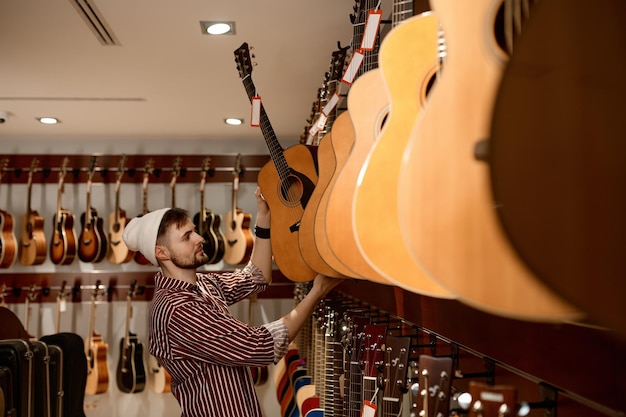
{"points": [[239, 239], [118, 251], [8, 241], [32, 250], [96, 352], [92, 244], [147, 170], [63, 243], [286, 182], [131, 372]]}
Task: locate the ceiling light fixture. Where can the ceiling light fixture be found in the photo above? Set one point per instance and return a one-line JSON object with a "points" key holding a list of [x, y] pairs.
{"points": [[49, 120], [217, 28], [233, 121]]}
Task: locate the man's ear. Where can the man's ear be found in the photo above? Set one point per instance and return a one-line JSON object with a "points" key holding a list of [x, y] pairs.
{"points": [[161, 253]]}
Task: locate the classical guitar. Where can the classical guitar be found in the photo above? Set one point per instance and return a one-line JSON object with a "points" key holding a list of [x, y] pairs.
{"points": [[147, 170], [92, 242], [326, 166], [434, 385], [492, 400], [239, 239], [131, 372], [556, 154], [287, 182], [63, 242], [32, 250], [8, 241], [118, 252], [204, 219], [96, 352], [446, 210], [408, 63]]}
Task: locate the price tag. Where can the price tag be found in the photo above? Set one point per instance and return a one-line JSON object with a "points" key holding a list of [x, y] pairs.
{"points": [[62, 305], [331, 104], [353, 67], [255, 117], [236, 182], [371, 30], [369, 409]]}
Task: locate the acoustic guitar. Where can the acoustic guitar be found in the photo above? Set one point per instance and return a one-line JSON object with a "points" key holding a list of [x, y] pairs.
{"points": [[131, 372], [118, 252], [159, 378], [408, 63], [556, 154], [147, 170], [287, 182], [96, 351], [447, 211], [32, 250], [63, 242], [492, 400], [434, 385], [239, 239], [8, 241], [175, 175], [92, 243], [204, 219], [259, 373]]}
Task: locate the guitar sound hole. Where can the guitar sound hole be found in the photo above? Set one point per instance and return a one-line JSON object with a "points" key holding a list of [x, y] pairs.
{"points": [[290, 191]]}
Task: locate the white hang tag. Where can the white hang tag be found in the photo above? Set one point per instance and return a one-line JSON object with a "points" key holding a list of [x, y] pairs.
{"points": [[62, 305], [236, 182], [334, 99], [255, 117], [369, 409], [321, 121], [353, 67], [312, 134], [371, 29]]}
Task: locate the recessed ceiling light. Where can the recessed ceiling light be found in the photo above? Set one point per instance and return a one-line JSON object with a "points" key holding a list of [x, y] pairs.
{"points": [[49, 120], [233, 121], [217, 28]]}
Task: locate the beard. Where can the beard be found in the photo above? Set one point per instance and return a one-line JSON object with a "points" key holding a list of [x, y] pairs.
{"points": [[193, 263]]}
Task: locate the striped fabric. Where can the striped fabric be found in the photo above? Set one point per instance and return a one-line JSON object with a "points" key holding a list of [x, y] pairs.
{"points": [[207, 350]]}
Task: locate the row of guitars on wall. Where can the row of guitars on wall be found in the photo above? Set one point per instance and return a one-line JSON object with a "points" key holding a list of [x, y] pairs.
{"points": [[399, 187], [230, 240], [352, 360]]}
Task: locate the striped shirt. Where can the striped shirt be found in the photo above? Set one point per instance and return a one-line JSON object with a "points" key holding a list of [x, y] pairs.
{"points": [[207, 350]]}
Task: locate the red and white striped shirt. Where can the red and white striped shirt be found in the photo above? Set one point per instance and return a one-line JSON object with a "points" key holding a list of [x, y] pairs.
{"points": [[207, 350]]}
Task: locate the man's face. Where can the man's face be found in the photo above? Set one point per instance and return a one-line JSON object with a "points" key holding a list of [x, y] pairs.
{"points": [[185, 246]]}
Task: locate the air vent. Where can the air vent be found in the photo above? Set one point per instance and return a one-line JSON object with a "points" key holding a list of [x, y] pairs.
{"points": [[95, 21]]}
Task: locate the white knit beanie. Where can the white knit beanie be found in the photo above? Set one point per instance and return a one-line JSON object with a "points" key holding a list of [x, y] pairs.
{"points": [[140, 234]]}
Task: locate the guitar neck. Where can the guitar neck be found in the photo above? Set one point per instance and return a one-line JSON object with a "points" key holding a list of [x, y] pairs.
{"points": [[129, 310]]}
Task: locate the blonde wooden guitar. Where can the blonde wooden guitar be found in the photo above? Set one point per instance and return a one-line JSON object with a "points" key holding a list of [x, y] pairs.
{"points": [[407, 62], [446, 208], [96, 351], [118, 251], [238, 237]]}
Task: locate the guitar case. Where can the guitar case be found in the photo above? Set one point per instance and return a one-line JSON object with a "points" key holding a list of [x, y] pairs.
{"points": [[40, 386], [56, 380], [7, 407], [74, 374], [17, 356]]}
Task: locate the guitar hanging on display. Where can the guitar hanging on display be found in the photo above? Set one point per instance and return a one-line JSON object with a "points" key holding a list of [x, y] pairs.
{"points": [[8, 241], [92, 243], [492, 400], [204, 219], [259, 373], [131, 373], [175, 175], [239, 239], [61, 306], [118, 251], [147, 170], [96, 352], [32, 250], [396, 361], [159, 378], [435, 384], [287, 182], [63, 242]]}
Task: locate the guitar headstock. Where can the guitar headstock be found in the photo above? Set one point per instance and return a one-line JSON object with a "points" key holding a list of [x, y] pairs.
{"points": [[435, 383], [206, 164], [63, 172], [132, 290], [33, 168], [237, 172], [148, 169], [3, 166], [373, 345], [492, 400], [338, 63], [175, 170], [397, 349], [243, 58], [120, 170]]}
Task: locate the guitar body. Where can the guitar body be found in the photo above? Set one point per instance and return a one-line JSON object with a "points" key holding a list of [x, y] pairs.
{"points": [[408, 60], [556, 154], [159, 378], [368, 104], [8, 241], [97, 365], [306, 239], [207, 231], [216, 230], [131, 372], [32, 249], [287, 199], [447, 211], [118, 252], [63, 242], [92, 243], [238, 237]]}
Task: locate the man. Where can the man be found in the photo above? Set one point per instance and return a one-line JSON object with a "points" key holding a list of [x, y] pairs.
{"points": [[205, 349]]}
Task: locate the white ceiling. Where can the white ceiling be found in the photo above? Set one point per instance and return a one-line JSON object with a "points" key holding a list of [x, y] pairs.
{"points": [[165, 78]]}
